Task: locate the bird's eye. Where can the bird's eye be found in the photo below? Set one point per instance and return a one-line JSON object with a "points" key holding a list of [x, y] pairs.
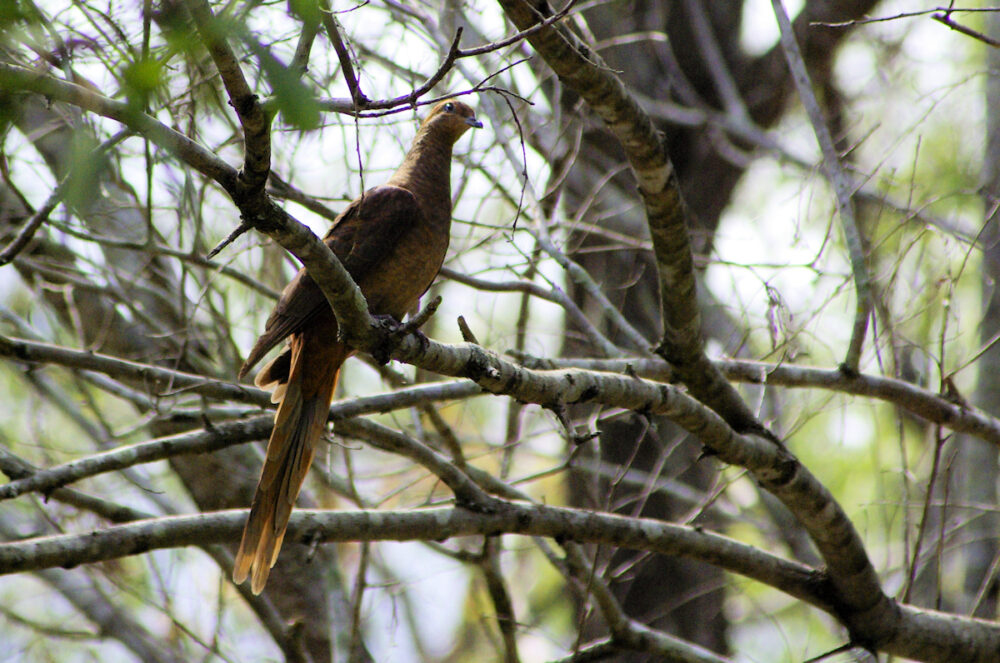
{"points": [[449, 107]]}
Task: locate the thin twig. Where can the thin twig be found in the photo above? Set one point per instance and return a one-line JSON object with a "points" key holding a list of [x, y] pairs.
{"points": [[232, 237], [356, 653], [499, 594], [420, 319], [583, 279], [160, 250], [300, 61], [946, 19], [842, 186], [466, 331], [332, 26], [896, 17], [42, 214], [27, 232], [715, 61]]}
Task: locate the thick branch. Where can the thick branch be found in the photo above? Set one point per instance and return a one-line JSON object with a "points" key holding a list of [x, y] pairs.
{"points": [[582, 70], [426, 524], [13, 77], [954, 638], [255, 122], [957, 415]]}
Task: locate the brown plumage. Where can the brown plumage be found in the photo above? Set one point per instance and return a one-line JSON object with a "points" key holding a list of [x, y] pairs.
{"points": [[392, 240]]}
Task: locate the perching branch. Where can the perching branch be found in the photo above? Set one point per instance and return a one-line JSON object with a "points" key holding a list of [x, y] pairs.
{"points": [[831, 530], [936, 408]]}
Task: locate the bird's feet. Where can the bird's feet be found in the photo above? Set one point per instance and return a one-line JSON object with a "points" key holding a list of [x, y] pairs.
{"points": [[390, 334], [392, 331]]}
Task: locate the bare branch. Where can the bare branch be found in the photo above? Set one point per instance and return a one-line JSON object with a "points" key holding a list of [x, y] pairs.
{"points": [[332, 27], [916, 630], [16, 468], [255, 121], [218, 437], [204, 161], [425, 524], [842, 186], [933, 407], [579, 67], [777, 470], [946, 19], [502, 604], [714, 60]]}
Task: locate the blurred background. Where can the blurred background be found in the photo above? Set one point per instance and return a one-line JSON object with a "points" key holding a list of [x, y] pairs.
{"points": [[550, 259]]}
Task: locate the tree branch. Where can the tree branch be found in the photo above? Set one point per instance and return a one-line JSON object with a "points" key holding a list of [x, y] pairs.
{"points": [[936, 408], [213, 439], [14, 77], [332, 27], [842, 186], [425, 524], [255, 121], [947, 637], [581, 69]]}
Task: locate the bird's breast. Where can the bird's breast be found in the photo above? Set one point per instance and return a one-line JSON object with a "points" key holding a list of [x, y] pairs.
{"points": [[408, 270]]}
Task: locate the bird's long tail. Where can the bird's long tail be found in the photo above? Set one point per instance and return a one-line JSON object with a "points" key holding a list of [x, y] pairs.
{"points": [[303, 405]]}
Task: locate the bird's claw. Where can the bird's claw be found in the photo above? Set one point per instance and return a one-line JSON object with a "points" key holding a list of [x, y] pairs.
{"points": [[391, 331]]}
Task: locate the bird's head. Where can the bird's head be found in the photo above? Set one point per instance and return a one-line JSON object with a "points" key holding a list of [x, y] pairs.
{"points": [[451, 118]]}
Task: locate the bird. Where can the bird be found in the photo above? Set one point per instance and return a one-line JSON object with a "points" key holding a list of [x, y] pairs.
{"points": [[392, 240]]}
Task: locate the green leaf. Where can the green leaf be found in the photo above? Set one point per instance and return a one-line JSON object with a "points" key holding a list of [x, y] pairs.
{"points": [[11, 13], [87, 169], [307, 10], [141, 79], [296, 102]]}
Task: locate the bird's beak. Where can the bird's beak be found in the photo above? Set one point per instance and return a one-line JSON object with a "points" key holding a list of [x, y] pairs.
{"points": [[473, 122]]}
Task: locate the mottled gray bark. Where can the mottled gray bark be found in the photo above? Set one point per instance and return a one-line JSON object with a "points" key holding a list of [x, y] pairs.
{"points": [[685, 69]]}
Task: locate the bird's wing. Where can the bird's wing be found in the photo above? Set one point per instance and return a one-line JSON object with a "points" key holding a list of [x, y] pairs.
{"points": [[361, 237]]}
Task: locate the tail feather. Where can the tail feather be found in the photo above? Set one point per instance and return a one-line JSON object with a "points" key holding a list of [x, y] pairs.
{"points": [[274, 375], [298, 426]]}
